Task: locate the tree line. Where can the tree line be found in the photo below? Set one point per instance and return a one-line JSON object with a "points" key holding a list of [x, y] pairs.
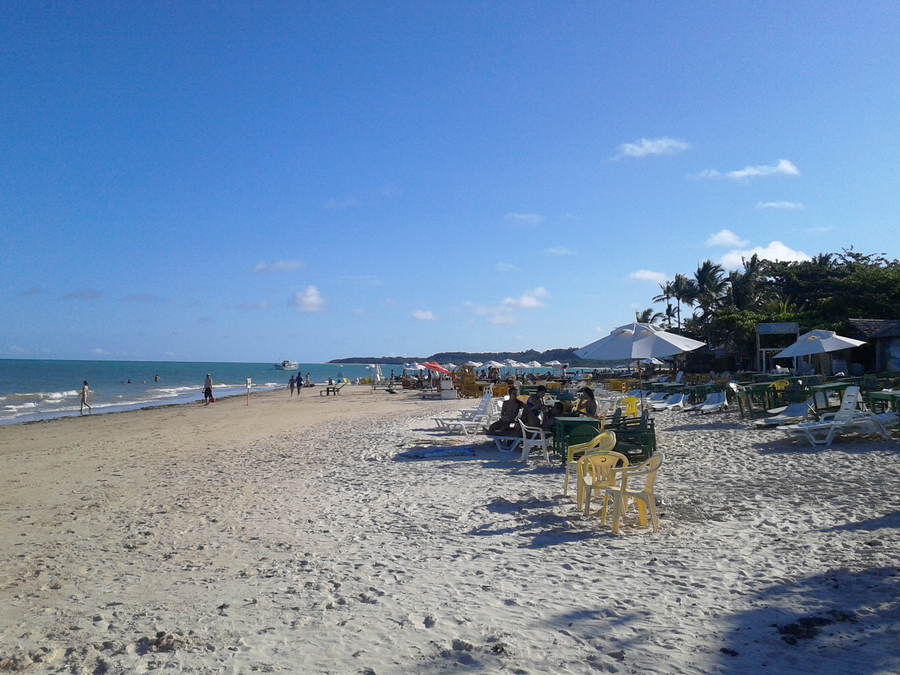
{"points": [[825, 292]]}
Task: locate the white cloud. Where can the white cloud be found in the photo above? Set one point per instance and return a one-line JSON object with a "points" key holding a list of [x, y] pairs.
{"points": [[790, 206], [529, 219], [782, 167], [506, 267], [560, 250], [774, 251], [308, 301], [280, 266], [646, 147], [647, 275], [819, 230], [528, 300], [423, 315], [726, 239]]}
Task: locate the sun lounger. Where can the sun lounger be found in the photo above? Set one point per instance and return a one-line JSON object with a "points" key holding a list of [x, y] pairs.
{"points": [[671, 402], [848, 419], [332, 389], [795, 413]]}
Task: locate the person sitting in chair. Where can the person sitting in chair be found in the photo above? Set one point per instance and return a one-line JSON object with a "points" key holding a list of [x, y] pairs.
{"points": [[535, 409], [587, 406], [509, 415]]}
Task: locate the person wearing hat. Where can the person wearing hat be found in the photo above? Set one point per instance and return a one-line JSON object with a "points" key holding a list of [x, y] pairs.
{"points": [[207, 390]]}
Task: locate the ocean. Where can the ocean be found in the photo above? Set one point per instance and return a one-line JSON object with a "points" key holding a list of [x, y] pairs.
{"points": [[32, 390]]}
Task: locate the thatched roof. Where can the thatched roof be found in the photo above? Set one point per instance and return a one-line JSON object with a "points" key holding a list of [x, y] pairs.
{"points": [[873, 329]]}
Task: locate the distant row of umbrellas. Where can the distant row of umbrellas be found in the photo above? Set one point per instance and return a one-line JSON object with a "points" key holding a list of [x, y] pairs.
{"points": [[648, 343]]}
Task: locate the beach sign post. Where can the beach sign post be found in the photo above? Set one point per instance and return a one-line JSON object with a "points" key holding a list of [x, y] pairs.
{"points": [[248, 391]]}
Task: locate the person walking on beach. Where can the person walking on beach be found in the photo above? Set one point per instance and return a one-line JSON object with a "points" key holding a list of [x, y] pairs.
{"points": [[84, 397], [292, 383], [299, 382], [207, 390]]}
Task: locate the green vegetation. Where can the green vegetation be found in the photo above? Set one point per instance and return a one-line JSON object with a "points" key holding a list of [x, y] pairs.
{"points": [[821, 293]]}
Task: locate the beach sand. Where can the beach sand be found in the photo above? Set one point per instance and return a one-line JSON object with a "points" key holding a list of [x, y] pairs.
{"points": [[287, 536]]}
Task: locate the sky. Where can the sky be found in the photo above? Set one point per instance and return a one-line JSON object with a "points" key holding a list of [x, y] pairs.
{"points": [[258, 181]]}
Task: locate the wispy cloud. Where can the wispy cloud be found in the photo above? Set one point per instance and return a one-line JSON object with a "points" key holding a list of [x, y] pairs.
{"points": [[424, 315], [782, 167], [280, 266], [29, 292], [819, 230], [506, 267], [560, 250], [338, 204], [525, 219], [774, 251], [84, 294], [528, 300], [647, 275], [726, 239], [308, 301], [504, 313], [650, 147], [145, 298], [251, 306], [789, 206]]}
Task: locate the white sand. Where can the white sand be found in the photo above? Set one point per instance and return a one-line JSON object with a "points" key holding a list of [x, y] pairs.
{"points": [[286, 537]]}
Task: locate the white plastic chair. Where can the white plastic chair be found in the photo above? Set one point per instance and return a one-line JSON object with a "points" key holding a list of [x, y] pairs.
{"points": [[534, 437], [847, 418]]}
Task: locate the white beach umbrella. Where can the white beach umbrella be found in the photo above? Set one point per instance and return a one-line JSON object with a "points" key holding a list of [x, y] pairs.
{"points": [[554, 362], [494, 364], [534, 364], [818, 342], [637, 341], [449, 365], [512, 363], [474, 364]]}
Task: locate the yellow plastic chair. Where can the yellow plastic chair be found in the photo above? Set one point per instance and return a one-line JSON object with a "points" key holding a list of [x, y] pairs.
{"points": [[643, 496], [594, 472], [629, 406], [616, 385], [603, 442]]}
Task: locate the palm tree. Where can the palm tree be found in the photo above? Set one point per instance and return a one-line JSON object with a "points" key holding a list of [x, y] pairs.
{"points": [[684, 292], [666, 296], [648, 316], [749, 289], [710, 287]]}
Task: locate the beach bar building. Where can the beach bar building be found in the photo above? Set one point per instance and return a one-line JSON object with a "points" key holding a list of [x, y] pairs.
{"points": [[884, 336]]}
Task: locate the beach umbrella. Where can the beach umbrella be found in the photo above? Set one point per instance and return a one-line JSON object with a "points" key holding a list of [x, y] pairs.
{"points": [[637, 341], [554, 362], [449, 365], [534, 364], [431, 365], [512, 363], [494, 364], [818, 342], [474, 364], [652, 361]]}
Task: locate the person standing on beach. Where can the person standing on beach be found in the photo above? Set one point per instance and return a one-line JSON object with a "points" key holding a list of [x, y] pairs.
{"points": [[207, 390], [84, 397], [292, 383], [299, 382]]}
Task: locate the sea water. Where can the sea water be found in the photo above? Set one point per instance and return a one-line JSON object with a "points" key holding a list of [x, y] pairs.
{"points": [[33, 390]]}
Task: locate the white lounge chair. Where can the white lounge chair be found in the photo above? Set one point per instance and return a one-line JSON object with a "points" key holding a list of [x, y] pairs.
{"points": [[472, 415], [714, 402], [671, 402], [794, 413], [849, 418]]}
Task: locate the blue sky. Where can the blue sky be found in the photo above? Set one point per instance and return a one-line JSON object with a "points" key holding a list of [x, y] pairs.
{"points": [[258, 181]]}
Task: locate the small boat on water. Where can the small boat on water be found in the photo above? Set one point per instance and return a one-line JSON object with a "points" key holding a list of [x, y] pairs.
{"points": [[287, 365]]}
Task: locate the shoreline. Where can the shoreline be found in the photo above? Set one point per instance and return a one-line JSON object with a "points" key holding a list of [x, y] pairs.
{"points": [[295, 536]]}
